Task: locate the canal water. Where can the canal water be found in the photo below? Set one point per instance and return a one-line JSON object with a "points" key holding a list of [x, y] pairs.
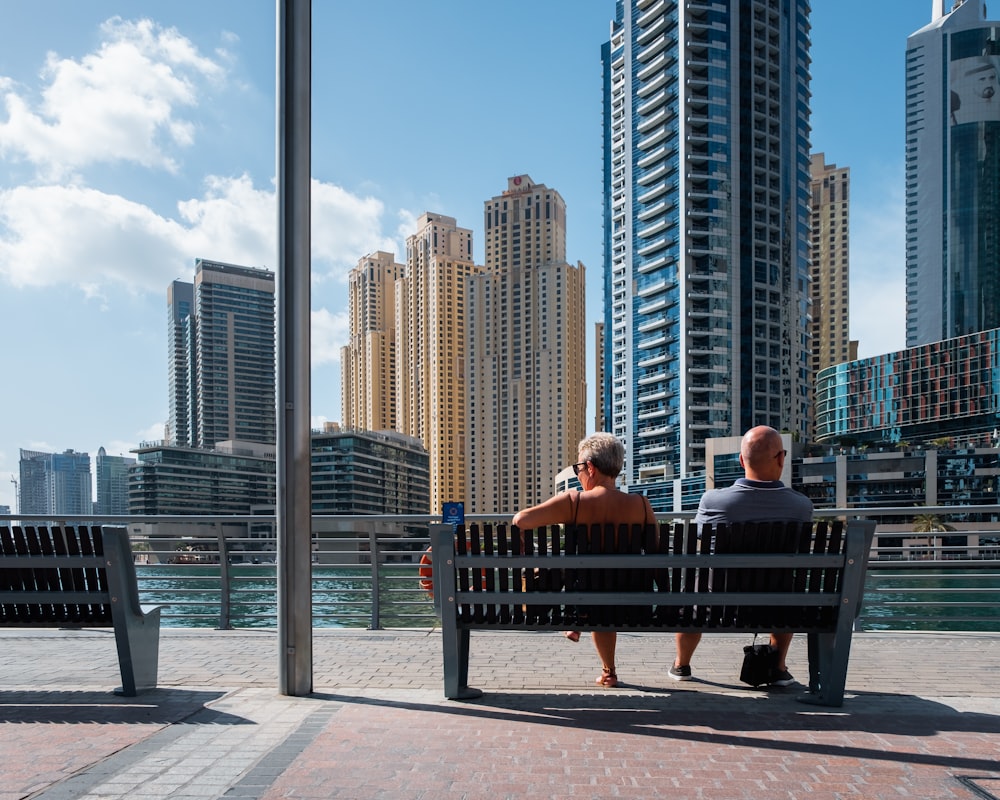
{"points": [[903, 600]]}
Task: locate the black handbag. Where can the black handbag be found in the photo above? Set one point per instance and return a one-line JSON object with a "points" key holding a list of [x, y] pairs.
{"points": [[760, 663]]}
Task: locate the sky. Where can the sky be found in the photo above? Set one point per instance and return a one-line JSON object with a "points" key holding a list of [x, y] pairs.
{"points": [[136, 137]]}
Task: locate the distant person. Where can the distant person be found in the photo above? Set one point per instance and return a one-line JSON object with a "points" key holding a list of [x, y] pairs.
{"points": [[758, 497], [600, 458]]}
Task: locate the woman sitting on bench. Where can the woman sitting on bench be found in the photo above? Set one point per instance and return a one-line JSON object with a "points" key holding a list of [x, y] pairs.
{"points": [[600, 458]]}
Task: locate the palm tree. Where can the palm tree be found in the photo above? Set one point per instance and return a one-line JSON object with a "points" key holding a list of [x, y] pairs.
{"points": [[930, 524]]}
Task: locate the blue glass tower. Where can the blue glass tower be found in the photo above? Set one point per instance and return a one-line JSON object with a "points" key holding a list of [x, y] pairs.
{"points": [[706, 239], [952, 175]]}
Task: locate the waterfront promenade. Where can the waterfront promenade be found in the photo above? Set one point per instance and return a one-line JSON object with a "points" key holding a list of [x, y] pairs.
{"points": [[921, 720]]}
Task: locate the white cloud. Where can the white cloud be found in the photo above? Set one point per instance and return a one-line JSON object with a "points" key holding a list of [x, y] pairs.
{"points": [[407, 225], [232, 222], [345, 228], [51, 235], [117, 104], [329, 334]]}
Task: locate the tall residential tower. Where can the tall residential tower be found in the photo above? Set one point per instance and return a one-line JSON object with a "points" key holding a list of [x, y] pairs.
{"points": [[368, 363], [222, 356], [430, 348], [526, 352], [706, 240], [952, 175], [831, 265]]}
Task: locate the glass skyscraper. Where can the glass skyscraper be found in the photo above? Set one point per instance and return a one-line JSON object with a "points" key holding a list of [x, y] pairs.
{"points": [[112, 483], [221, 340], [56, 483], [952, 175], [706, 229]]}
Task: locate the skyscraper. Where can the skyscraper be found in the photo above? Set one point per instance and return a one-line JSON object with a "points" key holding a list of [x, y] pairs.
{"points": [[831, 265], [368, 363], [706, 239], [56, 483], [952, 175], [112, 483], [221, 358], [180, 363], [526, 351], [430, 348], [600, 407]]}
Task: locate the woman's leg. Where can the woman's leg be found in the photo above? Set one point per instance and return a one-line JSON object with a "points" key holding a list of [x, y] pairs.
{"points": [[604, 643]]}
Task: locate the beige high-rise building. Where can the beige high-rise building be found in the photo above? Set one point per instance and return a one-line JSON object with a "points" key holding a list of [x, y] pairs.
{"points": [[830, 251], [430, 347], [527, 380], [600, 414], [368, 363]]}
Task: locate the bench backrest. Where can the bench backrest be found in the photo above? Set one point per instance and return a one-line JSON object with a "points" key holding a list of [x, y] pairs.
{"points": [[662, 575], [54, 576]]}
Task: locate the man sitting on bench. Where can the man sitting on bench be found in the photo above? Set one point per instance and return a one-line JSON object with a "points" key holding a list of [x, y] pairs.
{"points": [[758, 497]]}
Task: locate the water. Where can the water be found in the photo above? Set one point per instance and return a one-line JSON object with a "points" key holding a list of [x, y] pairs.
{"points": [[341, 596], [901, 600], [932, 598]]}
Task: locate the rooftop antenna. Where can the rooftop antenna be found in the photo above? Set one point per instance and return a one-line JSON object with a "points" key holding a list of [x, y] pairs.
{"points": [[17, 501]]}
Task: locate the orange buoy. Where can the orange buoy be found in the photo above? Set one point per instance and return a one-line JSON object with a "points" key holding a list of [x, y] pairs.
{"points": [[427, 573]]}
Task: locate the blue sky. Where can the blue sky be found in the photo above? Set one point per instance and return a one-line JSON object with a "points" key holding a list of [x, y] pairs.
{"points": [[136, 137]]}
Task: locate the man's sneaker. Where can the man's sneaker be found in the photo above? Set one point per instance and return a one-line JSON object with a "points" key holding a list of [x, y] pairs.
{"points": [[680, 673], [782, 678]]}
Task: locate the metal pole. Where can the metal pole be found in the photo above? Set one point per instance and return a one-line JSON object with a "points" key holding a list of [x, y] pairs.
{"points": [[374, 624], [293, 513], [225, 607]]}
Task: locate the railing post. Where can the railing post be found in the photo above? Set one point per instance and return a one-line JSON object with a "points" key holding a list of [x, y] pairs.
{"points": [[225, 607], [375, 623]]}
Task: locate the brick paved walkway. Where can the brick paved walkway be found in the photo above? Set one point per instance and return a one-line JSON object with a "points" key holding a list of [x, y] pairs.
{"points": [[921, 720]]}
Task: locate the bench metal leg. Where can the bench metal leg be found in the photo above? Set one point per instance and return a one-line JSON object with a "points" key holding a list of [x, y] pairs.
{"points": [[456, 667], [138, 641], [812, 649], [833, 650], [455, 640], [832, 654]]}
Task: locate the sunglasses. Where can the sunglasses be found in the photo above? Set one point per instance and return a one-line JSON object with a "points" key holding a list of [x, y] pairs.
{"points": [[580, 467]]}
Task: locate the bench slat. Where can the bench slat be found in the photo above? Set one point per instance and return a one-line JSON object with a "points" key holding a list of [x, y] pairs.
{"points": [[603, 561], [54, 596], [52, 562]]}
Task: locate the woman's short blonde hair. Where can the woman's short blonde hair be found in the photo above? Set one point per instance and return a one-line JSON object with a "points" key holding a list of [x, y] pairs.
{"points": [[604, 451]]}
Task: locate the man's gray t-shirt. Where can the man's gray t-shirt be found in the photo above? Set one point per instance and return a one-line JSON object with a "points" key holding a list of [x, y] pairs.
{"points": [[754, 501]]}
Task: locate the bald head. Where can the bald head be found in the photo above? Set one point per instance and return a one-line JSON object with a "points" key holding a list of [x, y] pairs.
{"points": [[762, 454]]}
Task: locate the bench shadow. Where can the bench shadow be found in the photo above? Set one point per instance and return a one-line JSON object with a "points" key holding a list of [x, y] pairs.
{"points": [[726, 720], [156, 706]]}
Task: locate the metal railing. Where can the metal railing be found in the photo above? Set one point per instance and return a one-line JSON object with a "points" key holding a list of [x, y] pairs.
{"points": [[214, 571]]}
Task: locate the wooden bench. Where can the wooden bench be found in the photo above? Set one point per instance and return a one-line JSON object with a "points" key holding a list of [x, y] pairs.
{"points": [[759, 577], [80, 577]]}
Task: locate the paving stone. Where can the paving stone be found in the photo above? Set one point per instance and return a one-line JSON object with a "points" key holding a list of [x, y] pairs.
{"points": [[377, 724]]}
